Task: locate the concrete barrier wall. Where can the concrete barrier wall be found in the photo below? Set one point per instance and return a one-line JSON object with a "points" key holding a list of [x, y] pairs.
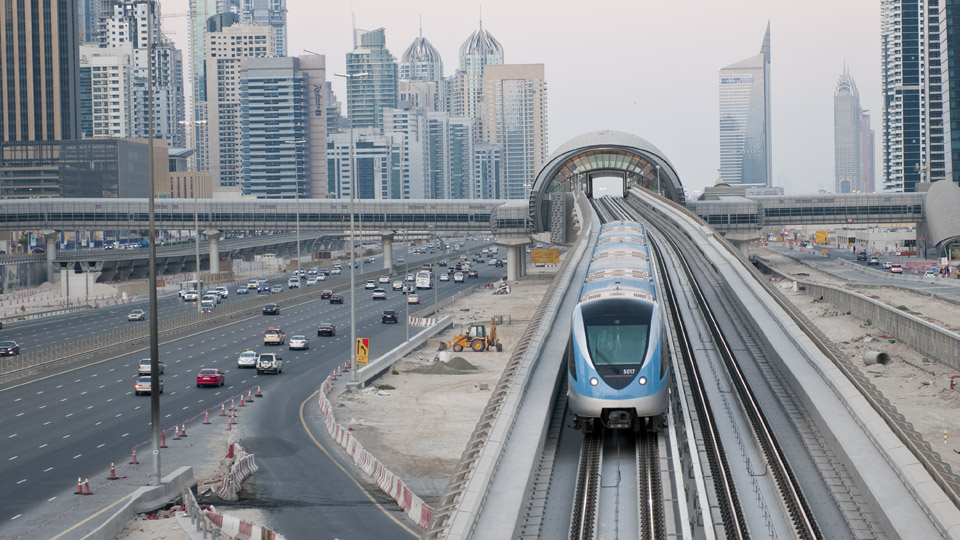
{"points": [[383, 362], [145, 499], [929, 339]]}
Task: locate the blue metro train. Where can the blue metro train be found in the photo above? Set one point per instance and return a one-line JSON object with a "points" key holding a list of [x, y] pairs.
{"points": [[617, 361]]}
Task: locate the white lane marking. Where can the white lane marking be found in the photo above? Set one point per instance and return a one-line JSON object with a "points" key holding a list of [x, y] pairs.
{"points": [[76, 456], [59, 386], [42, 445], [98, 423], [119, 380], [13, 458], [94, 375], [47, 422], [167, 416], [64, 399], [42, 407], [124, 435], [101, 445], [137, 407], [18, 515], [22, 481], [48, 469], [51, 499], [69, 415], [40, 392], [83, 393], [18, 399], [102, 386], [109, 400], [65, 436], [118, 415], [89, 407], [21, 414], [12, 436]]}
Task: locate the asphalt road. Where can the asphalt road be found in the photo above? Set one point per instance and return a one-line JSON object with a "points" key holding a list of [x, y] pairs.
{"points": [[79, 418]]}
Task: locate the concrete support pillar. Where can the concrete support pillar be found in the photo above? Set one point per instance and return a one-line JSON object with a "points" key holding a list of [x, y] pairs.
{"points": [[213, 236], [387, 238], [516, 255], [50, 237]]}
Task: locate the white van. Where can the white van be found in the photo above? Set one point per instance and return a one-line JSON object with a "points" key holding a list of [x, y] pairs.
{"points": [[293, 283]]}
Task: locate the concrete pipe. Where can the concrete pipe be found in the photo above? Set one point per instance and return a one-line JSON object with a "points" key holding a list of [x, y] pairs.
{"points": [[875, 357]]}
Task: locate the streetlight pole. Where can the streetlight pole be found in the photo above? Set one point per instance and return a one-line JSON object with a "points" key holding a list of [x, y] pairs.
{"points": [[406, 269], [297, 195], [353, 236], [196, 227], [154, 330]]}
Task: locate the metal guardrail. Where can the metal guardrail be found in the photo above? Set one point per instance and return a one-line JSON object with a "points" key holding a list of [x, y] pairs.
{"points": [[198, 518], [49, 313]]}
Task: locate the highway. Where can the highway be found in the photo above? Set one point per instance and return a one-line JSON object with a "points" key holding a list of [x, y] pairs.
{"points": [[79, 418]]}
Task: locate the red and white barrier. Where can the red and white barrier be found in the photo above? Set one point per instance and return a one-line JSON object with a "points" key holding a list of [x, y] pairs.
{"points": [[411, 504], [422, 321], [242, 467], [234, 527]]}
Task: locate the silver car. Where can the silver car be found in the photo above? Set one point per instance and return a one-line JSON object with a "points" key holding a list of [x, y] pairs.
{"points": [[247, 359], [298, 342], [144, 367]]}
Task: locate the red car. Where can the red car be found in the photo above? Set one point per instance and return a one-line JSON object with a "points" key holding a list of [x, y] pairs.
{"points": [[210, 377]]}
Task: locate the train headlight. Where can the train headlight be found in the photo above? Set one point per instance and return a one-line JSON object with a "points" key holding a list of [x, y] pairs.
{"points": [[594, 381], [642, 380]]}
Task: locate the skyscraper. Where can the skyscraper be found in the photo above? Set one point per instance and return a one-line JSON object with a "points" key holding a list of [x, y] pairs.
{"points": [[903, 66], [272, 13], [479, 50], [421, 61], [513, 114], [39, 75], [205, 16], [88, 19], [368, 95], [847, 150], [106, 91], [867, 152], [127, 22], [225, 50], [745, 129], [949, 18], [283, 132]]}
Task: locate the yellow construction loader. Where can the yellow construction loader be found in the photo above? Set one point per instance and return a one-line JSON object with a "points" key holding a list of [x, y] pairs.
{"points": [[475, 339]]}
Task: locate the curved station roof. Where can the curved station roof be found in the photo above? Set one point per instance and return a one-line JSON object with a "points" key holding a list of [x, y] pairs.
{"points": [[601, 154]]}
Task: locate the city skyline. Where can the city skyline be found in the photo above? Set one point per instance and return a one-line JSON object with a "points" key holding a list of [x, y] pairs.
{"points": [[669, 94]]}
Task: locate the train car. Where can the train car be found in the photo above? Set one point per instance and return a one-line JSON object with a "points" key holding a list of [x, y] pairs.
{"points": [[617, 362]]}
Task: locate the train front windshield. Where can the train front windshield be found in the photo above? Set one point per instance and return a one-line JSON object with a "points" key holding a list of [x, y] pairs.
{"points": [[617, 331]]}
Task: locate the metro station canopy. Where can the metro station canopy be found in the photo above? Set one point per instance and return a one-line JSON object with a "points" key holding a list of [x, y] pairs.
{"points": [[598, 154]]}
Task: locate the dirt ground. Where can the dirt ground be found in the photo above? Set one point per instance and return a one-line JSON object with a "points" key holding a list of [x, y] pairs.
{"points": [[917, 386], [418, 418]]}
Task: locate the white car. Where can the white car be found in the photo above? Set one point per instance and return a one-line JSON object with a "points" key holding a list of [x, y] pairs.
{"points": [[335, 271], [384, 279], [458, 277], [444, 277], [413, 299], [379, 294], [144, 367], [298, 342], [322, 277], [247, 359], [222, 291], [191, 296], [311, 281], [137, 315], [371, 284], [398, 285]]}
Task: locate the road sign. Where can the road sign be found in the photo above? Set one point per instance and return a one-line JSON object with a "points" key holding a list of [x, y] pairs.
{"points": [[545, 256], [363, 351]]}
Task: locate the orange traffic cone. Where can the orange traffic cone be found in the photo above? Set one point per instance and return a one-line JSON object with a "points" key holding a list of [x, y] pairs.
{"points": [[241, 400], [86, 487], [183, 431], [229, 423], [133, 458], [230, 451], [258, 391], [163, 439], [233, 407], [176, 433], [223, 410], [113, 472], [249, 396], [79, 490], [206, 417]]}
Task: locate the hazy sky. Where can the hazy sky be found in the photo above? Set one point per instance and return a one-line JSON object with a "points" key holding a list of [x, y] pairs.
{"points": [[643, 66]]}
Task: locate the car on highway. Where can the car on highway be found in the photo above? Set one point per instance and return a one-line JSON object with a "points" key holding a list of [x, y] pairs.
{"points": [[312, 272], [473, 274], [379, 294], [207, 306], [371, 259], [325, 294], [293, 283], [298, 342], [274, 336], [326, 329], [336, 271], [442, 263], [247, 359], [384, 279], [222, 291], [311, 281], [271, 309], [263, 289], [269, 362], [371, 284], [274, 289], [444, 277], [191, 296], [210, 377], [458, 277], [930, 273], [243, 290], [886, 265], [413, 299], [143, 367], [137, 315], [253, 284], [211, 296], [873, 261], [398, 285], [896, 269], [389, 316], [144, 386], [410, 277], [336, 299]]}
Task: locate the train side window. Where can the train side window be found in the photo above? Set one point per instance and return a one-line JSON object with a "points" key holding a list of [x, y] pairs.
{"points": [[571, 361]]}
